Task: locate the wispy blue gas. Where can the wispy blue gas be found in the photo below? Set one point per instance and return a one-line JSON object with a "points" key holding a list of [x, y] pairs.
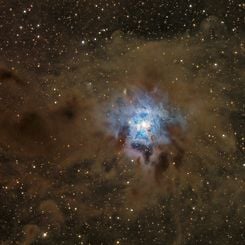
{"points": [[141, 120]]}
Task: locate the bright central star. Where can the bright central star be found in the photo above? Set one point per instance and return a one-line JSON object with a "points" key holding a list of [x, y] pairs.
{"points": [[144, 125]]}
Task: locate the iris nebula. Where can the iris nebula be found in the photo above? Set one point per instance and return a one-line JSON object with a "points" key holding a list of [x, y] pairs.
{"points": [[141, 120]]}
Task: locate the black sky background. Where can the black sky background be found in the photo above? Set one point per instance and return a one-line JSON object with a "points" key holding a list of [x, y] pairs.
{"points": [[61, 178]]}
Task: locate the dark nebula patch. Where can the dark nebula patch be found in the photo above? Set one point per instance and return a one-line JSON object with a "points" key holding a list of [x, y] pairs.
{"points": [[122, 122]]}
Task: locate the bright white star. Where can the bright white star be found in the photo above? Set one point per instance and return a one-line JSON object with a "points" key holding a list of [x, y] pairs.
{"points": [[145, 125]]}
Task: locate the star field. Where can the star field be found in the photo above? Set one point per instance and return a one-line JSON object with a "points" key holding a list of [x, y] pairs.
{"points": [[71, 171]]}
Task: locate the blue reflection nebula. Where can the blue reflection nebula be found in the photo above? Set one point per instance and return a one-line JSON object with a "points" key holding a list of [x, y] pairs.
{"points": [[142, 119]]}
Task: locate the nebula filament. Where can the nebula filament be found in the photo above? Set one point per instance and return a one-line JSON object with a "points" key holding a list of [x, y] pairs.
{"points": [[140, 120]]}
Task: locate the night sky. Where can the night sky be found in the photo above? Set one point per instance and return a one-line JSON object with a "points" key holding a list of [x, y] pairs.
{"points": [[122, 122]]}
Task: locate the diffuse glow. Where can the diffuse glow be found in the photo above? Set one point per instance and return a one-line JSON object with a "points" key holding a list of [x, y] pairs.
{"points": [[142, 119]]}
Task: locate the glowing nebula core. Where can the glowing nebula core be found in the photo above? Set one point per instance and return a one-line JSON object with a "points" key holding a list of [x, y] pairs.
{"points": [[140, 120]]}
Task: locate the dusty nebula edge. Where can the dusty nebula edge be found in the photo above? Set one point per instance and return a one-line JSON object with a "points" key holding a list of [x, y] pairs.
{"points": [[159, 103]]}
